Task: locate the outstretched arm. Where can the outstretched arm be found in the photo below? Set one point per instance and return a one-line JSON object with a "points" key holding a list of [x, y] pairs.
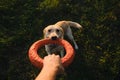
{"points": [[51, 67]]}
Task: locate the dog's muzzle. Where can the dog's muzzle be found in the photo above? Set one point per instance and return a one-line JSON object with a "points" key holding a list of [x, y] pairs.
{"points": [[54, 37]]}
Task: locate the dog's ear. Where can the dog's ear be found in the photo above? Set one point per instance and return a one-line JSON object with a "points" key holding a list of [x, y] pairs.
{"points": [[44, 32], [62, 33]]}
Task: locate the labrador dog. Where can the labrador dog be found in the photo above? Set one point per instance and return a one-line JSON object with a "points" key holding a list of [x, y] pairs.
{"points": [[60, 30]]}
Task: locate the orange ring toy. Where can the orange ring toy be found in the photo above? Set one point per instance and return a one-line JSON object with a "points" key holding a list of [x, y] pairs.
{"points": [[38, 62]]}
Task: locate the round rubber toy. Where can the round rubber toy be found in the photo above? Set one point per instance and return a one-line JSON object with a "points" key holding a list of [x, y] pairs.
{"points": [[37, 61]]}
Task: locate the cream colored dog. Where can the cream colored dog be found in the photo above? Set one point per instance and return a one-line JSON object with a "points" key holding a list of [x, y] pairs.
{"points": [[60, 30]]}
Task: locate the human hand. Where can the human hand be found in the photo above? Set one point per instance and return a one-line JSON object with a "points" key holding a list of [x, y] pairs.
{"points": [[53, 63], [51, 67]]}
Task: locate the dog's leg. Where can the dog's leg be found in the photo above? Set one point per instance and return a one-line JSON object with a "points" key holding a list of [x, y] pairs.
{"points": [[70, 36], [62, 53], [47, 49]]}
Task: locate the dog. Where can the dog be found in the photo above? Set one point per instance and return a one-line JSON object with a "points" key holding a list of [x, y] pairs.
{"points": [[60, 30]]}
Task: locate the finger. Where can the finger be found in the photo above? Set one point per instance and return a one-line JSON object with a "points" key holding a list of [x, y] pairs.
{"points": [[57, 56]]}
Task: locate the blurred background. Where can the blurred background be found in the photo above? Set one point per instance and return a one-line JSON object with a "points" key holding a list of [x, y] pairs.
{"points": [[22, 22]]}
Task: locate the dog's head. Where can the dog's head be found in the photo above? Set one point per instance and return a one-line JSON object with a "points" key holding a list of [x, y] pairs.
{"points": [[53, 32]]}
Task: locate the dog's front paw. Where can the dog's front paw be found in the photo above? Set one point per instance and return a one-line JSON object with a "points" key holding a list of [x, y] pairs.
{"points": [[76, 47]]}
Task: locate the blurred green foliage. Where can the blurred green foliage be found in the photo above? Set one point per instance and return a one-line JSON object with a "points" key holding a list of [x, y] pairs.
{"points": [[22, 22]]}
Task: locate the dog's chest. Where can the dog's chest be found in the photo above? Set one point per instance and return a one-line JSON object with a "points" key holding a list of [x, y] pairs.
{"points": [[55, 47]]}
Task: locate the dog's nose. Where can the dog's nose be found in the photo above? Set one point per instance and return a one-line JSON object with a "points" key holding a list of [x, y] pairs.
{"points": [[54, 38]]}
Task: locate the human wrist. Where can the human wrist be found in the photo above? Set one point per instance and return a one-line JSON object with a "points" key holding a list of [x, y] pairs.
{"points": [[51, 69], [49, 72]]}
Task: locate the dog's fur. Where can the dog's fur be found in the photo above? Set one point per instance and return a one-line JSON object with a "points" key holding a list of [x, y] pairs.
{"points": [[60, 30]]}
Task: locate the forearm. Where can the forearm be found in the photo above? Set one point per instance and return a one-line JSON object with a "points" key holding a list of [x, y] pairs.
{"points": [[46, 74], [51, 67]]}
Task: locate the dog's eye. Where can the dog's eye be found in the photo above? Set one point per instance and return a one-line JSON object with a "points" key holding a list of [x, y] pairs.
{"points": [[49, 30], [57, 30]]}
